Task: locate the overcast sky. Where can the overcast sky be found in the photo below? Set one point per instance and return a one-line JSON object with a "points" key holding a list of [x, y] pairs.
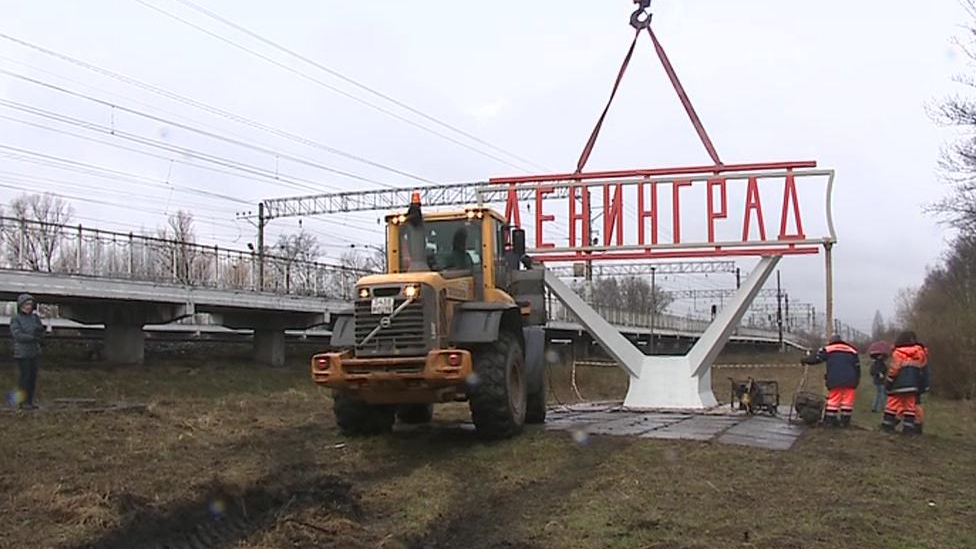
{"points": [[845, 83]]}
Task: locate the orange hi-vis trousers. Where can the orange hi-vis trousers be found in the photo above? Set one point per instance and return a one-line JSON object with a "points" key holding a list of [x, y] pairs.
{"points": [[840, 405], [901, 406]]}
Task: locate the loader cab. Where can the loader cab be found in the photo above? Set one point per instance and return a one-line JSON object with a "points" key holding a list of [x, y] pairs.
{"points": [[475, 242]]}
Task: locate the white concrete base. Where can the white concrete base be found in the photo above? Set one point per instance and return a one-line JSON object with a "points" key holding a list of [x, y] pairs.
{"points": [[669, 382], [680, 382]]}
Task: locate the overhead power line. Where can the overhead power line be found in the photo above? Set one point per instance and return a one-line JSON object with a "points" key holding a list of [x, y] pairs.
{"points": [[354, 82], [198, 131], [210, 220], [65, 163], [331, 87], [267, 177], [100, 190], [213, 110]]}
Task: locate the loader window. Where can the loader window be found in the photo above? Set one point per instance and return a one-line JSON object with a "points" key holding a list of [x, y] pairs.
{"points": [[453, 245]]}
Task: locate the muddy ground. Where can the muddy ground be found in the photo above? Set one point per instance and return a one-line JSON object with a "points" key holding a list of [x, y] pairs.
{"points": [[228, 454]]}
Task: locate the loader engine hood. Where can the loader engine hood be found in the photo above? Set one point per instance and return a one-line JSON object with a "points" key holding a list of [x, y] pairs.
{"points": [[454, 286]]}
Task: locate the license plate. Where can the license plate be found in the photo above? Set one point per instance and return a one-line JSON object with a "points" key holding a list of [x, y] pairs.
{"points": [[381, 306]]}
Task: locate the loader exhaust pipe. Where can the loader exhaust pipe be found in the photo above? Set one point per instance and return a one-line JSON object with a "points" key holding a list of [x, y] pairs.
{"points": [[417, 237]]}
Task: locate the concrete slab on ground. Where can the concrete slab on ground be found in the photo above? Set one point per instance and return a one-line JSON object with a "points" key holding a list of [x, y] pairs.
{"points": [[720, 425]]}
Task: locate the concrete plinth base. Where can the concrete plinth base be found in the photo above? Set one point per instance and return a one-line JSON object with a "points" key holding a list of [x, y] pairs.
{"points": [[269, 347], [124, 343], [681, 382], [668, 382]]}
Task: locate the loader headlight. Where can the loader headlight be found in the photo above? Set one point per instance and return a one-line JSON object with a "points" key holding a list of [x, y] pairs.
{"points": [[411, 291], [363, 293]]}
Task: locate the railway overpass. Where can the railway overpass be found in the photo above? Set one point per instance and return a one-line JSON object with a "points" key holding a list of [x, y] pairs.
{"points": [[118, 283], [122, 308]]}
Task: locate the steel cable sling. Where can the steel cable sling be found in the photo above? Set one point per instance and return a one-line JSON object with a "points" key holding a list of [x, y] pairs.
{"points": [[641, 20]]}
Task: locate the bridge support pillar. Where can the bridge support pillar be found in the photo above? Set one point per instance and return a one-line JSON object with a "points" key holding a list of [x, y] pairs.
{"points": [[124, 343], [269, 346], [677, 382]]}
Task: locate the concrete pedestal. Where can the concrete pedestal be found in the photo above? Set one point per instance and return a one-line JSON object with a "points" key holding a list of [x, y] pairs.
{"points": [[124, 343], [670, 382], [269, 347], [680, 382]]}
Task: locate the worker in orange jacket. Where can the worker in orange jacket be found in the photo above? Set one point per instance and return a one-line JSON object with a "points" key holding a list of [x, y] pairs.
{"points": [[842, 377], [907, 379]]}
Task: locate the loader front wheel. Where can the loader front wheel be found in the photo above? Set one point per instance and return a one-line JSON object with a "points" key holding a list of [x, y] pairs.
{"points": [[497, 393]]}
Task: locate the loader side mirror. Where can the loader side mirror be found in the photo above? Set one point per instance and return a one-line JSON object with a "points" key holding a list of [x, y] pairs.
{"points": [[518, 242]]}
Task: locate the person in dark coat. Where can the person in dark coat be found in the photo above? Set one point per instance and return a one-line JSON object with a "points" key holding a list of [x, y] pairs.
{"points": [[879, 367], [27, 331], [842, 377], [907, 380]]}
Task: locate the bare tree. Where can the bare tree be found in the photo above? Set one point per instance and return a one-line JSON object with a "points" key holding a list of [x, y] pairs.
{"points": [[301, 246], [957, 163], [943, 313], [179, 227], [33, 237], [292, 262], [878, 328], [628, 294], [179, 257], [355, 263], [372, 260]]}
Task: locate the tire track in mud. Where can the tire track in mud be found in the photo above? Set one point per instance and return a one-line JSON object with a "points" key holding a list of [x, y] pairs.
{"points": [[224, 515], [220, 516], [484, 518]]}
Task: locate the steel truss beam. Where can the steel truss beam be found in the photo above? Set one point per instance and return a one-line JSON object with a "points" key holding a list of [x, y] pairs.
{"points": [[718, 294], [671, 267], [451, 194]]}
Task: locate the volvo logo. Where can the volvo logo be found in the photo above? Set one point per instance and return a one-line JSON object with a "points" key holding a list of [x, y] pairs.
{"points": [[385, 322]]}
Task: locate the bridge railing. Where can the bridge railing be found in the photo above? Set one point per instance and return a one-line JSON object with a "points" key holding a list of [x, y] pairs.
{"points": [[46, 247]]}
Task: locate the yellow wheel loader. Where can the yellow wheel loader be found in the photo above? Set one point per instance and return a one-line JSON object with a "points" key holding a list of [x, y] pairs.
{"points": [[458, 316]]}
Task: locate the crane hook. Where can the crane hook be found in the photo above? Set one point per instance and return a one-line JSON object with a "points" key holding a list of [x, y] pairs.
{"points": [[641, 18]]}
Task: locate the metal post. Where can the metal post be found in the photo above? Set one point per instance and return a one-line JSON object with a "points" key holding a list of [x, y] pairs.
{"points": [[779, 312], [21, 244], [261, 224], [549, 304], [78, 254], [738, 279], [588, 284], [216, 266], [829, 266], [130, 255], [789, 319], [653, 309]]}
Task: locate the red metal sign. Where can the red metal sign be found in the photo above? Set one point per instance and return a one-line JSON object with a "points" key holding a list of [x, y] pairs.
{"points": [[699, 211]]}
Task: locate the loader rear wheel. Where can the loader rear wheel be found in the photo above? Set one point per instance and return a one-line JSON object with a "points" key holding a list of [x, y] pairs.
{"points": [[415, 414], [356, 417], [497, 396]]}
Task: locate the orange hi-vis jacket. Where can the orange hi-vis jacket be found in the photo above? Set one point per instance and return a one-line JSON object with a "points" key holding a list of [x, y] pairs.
{"points": [[908, 372]]}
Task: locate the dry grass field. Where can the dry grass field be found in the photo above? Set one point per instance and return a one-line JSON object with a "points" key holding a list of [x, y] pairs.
{"points": [[234, 455]]}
